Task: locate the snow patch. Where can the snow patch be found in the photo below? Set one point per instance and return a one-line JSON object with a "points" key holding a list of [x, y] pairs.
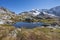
{"points": [[37, 13]]}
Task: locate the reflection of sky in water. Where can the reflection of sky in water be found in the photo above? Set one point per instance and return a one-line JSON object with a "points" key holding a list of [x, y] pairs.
{"points": [[27, 25]]}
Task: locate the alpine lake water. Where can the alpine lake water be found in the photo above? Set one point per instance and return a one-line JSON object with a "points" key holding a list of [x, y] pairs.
{"points": [[28, 24]]}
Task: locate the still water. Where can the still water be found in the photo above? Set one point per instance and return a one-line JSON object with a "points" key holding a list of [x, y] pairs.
{"points": [[28, 24]]}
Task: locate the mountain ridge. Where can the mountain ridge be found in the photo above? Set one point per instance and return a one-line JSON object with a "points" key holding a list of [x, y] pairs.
{"points": [[35, 14], [52, 11]]}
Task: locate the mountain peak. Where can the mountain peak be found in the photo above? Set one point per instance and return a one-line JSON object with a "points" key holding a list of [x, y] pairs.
{"points": [[5, 10], [2, 8], [35, 9]]}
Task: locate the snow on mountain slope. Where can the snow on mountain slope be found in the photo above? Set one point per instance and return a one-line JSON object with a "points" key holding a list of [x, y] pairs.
{"points": [[55, 10], [35, 12], [39, 12]]}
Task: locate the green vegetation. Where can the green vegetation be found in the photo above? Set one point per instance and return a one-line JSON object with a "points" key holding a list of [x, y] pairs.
{"points": [[32, 19]]}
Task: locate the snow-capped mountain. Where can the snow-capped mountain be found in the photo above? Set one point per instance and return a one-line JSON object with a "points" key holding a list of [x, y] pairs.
{"points": [[53, 12], [35, 12], [44, 13], [39, 13]]}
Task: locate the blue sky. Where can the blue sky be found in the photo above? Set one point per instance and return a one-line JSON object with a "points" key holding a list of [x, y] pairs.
{"points": [[24, 5]]}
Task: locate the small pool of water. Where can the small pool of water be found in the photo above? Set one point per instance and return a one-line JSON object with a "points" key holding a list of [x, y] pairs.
{"points": [[28, 24]]}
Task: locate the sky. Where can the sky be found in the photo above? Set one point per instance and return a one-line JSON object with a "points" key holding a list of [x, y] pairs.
{"points": [[26, 5]]}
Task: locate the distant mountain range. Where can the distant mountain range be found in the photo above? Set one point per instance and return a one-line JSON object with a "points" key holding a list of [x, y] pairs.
{"points": [[53, 12], [7, 15]]}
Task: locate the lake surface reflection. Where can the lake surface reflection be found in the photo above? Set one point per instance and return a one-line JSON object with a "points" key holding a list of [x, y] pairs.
{"points": [[28, 24]]}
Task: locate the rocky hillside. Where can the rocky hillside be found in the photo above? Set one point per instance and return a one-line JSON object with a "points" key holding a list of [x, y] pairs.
{"points": [[6, 16], [35, 15]]}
